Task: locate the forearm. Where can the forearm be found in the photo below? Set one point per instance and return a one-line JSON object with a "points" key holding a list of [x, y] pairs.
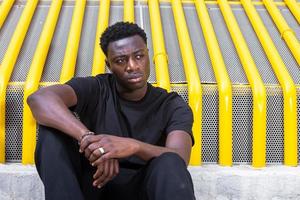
{"points": [[147, 151], [50, 111]]}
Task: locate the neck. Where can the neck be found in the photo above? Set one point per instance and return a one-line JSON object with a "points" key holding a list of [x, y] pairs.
{"points": [[132, 95]]}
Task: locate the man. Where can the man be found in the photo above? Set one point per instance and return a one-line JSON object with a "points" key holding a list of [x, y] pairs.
{"points": [[131, 141]]}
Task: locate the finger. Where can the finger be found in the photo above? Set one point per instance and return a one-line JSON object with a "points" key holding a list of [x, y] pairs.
{"points": [[103, 176], [86, 141], [110, 174], [103, 158], [95, 153], [116, 167], [98, 172]]}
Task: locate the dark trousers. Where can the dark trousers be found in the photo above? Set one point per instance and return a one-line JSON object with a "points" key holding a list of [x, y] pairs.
{"points": [[67, 174]]}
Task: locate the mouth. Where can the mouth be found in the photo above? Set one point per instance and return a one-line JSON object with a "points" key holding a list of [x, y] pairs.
{"points": [[134, 78]]}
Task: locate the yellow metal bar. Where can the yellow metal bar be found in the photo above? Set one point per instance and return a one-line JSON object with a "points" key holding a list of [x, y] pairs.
{"points": [[33, 78], [160, 58], [4, 10], [129, 10], [8, 63], [192, 76], [285, 80], [69, 64], [294, 8], [99, 57], [224, 85], [257, 86], [286, 32]]}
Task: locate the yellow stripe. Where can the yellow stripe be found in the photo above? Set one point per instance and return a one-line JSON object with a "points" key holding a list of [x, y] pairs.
{"points": [[69, 64], [99, 57], [258, 89], [286, 32], [4, 10], [224, 85], [192, 76], [160, 58], [8, 63], [286, 82], [129, 10], [294, 8], [33, 78]]}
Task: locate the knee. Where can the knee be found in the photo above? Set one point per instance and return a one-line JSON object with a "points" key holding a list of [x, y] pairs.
{"points": [[168, 162]]}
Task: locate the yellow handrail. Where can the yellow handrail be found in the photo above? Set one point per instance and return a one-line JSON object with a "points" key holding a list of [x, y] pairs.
{"points": [[4, 10], [294, 8], [257, 86], [286, 32], [129, 10], [160, 58], [33, 78], [285, 80], [69, 64], [99, 57], [8, 63], [192, 76], [224, 85]]}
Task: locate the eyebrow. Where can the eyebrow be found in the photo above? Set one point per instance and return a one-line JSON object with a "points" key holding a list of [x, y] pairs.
{"points": [[122, 55]]}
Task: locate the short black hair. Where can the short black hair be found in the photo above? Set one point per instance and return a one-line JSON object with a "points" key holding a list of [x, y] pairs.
{"points": [[119, 31]]}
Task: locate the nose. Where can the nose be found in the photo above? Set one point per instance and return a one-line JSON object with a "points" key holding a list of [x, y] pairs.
{"points": [[131, 65]]}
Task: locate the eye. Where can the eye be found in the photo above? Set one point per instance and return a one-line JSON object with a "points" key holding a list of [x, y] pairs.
{"points": [[120, 60], [139, 56]]}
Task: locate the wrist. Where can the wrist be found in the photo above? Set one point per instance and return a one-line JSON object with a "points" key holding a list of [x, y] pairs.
{"points": [[85, 134]]}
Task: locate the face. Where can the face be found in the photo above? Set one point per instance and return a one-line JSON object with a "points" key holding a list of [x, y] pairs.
{"points": [[128, 60]]}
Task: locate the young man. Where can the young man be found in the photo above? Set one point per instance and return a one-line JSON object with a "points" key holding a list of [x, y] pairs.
{"points": [[131, 141]]}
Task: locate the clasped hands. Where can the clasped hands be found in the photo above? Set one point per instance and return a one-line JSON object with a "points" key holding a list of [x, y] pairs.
{"points": [[106, 162]]}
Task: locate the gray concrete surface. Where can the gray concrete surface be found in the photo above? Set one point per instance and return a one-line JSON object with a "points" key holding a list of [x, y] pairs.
{"points": [[211, 182]]}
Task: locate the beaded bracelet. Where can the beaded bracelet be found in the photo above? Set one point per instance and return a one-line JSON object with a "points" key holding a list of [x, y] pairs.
{"points": [[84, 135]]}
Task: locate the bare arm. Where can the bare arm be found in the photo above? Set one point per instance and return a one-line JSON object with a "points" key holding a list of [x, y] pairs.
{"points": [[178, 142], [49, 107]]}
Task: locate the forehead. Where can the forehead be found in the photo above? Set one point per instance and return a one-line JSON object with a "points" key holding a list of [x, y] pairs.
{"points": [[126, 45]]}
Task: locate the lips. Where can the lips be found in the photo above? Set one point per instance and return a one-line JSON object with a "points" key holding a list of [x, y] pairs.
{"points": [[135, 77]]}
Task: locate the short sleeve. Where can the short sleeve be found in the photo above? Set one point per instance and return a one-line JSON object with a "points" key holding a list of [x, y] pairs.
{"points": [[180, 116], [87, 91]]}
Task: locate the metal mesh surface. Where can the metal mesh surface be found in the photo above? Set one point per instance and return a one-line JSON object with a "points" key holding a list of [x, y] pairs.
{"points": [[30, 43], [262, 63], [13, 123], [56, 53], [231, 59], [280, 44], [210, 124], [205, 70], [274, 125], [242, 124], [85, 55], [290, 19], [7, 30], [176, 71]]}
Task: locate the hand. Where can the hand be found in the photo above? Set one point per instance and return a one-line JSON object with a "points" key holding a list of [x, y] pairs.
{"points": [[105, 172], [114, 147]]}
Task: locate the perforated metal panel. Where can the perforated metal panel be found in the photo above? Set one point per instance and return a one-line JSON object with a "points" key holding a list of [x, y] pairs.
{"points": [[274, 125], [231, 59], [176, 71], [29, 46], [262, 63], [210, 124], [85, 56], [13, 123], [7, 30], [242, 124], [205, 70], [57, 48], [280, 44]]}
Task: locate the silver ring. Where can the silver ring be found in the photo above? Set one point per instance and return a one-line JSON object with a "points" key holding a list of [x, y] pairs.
{"points": [[102, 151]]}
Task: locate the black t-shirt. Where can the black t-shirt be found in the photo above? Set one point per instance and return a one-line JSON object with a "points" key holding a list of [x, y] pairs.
{"points": [[149, 120]]}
